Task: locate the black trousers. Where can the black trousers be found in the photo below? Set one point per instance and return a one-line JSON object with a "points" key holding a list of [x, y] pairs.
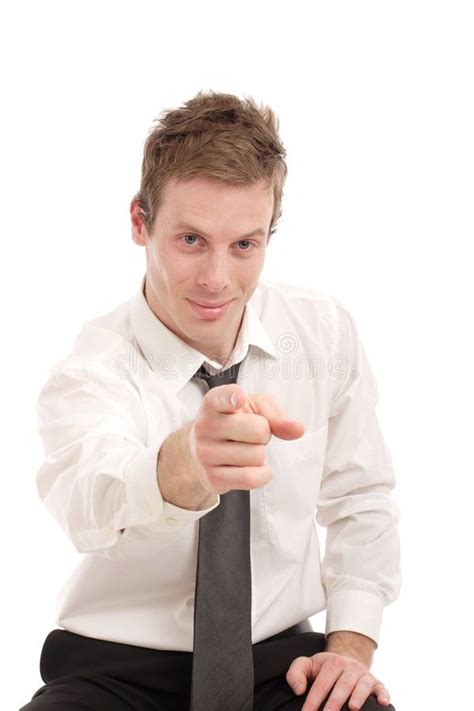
{"points": [[86, 674]]}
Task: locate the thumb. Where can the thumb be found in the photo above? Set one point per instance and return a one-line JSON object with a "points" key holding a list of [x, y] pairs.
{"points": [[297, 674], [238, 398], [225, 398]]}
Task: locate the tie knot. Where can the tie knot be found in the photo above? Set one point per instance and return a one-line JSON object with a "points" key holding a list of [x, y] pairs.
{"points": [[223, 377]]}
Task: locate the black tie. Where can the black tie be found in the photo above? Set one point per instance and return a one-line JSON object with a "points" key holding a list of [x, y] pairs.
{"points": [[223, 674]]}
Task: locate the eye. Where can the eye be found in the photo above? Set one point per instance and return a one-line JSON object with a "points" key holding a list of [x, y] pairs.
{"points": [[245, 242], [189, 235], [188, 240]]}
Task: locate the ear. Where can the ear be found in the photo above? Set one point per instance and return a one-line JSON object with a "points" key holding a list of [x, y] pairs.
{"points": [[139, 231]]}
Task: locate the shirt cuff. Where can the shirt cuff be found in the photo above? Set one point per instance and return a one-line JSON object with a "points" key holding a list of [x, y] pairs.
{"points": [[175, 515], [145, 504], [355, 611]]}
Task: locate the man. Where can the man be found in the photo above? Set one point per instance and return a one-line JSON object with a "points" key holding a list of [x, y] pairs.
{"points": [[190, 441]]}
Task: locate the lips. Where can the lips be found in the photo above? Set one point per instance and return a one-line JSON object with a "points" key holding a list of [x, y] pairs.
{"points": [[209, 312], [209, 306]]}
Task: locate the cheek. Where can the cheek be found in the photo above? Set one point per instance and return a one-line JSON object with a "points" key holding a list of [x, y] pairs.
{"points": [[180, 271], [250, 271], [170, 268]]}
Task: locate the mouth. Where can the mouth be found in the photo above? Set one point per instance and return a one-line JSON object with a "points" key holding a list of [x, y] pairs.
{"points": [[209, 311]]}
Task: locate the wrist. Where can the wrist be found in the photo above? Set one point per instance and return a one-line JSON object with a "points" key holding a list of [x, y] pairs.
{"points": [[175, 474], [351, 644]]}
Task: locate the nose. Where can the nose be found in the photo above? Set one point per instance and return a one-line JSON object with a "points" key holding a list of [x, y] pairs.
{"points": [[214, 273]]}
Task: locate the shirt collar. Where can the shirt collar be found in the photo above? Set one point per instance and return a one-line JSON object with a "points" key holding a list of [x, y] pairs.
{"points": [[173, 360]]}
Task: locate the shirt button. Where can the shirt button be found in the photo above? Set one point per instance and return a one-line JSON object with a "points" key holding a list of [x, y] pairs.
{"points": [[171, 520]]}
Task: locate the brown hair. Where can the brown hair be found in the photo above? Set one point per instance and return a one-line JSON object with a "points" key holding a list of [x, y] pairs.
{"points": [[213, 135]]}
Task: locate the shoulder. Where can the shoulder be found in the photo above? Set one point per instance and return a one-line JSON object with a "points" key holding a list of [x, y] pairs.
{"points": [[100, 346], [306, 308], [286, 292]]}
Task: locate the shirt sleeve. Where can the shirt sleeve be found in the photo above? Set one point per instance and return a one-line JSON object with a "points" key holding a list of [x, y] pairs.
{"points": [[98, 477], [361, 565]]}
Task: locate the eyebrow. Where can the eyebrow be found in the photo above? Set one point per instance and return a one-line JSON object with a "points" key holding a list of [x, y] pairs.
{"points": [[187, 226]]}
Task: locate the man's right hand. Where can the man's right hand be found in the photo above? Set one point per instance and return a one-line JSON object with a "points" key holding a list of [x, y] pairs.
{"points": [[227, 442]]}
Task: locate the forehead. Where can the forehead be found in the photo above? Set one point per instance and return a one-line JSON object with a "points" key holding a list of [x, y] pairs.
{"points": [[207, 198]]}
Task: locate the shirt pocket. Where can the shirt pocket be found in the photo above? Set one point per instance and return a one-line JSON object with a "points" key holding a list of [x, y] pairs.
{"points": [[291, 495]]}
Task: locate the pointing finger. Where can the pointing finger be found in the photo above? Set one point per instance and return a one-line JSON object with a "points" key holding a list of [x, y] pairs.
{"points": [[280, 424]]}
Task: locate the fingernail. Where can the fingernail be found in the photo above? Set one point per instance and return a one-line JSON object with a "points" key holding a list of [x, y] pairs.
{"points": [[233, 400]]}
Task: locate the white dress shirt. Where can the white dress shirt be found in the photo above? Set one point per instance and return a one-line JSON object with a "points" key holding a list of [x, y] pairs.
{"points": [[127, 384]]}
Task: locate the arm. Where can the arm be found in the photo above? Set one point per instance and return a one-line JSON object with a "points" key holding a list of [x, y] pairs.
{"points": [[360, 568], [351, 644], [177, 480], [98, 478]]}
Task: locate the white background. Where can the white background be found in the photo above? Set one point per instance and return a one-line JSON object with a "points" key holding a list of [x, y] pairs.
{"points": [[375, 101]]}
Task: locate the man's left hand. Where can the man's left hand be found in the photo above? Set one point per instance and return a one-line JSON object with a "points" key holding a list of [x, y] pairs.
{"points": [[349, 677]]}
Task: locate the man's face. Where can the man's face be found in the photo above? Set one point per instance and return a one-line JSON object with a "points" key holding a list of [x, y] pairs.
{"points": [[207, 245]]}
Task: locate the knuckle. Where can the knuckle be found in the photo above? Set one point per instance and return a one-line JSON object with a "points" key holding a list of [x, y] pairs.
{"points": [[349, 680], [252, 479], [357, 668], [210, 476], [259, 455], [262, 429], [208, 399], [214, 478], [202, 452], [334, 703], [335, 663], [296, 666], [200, 427], [366, 680], [298, 661]]}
